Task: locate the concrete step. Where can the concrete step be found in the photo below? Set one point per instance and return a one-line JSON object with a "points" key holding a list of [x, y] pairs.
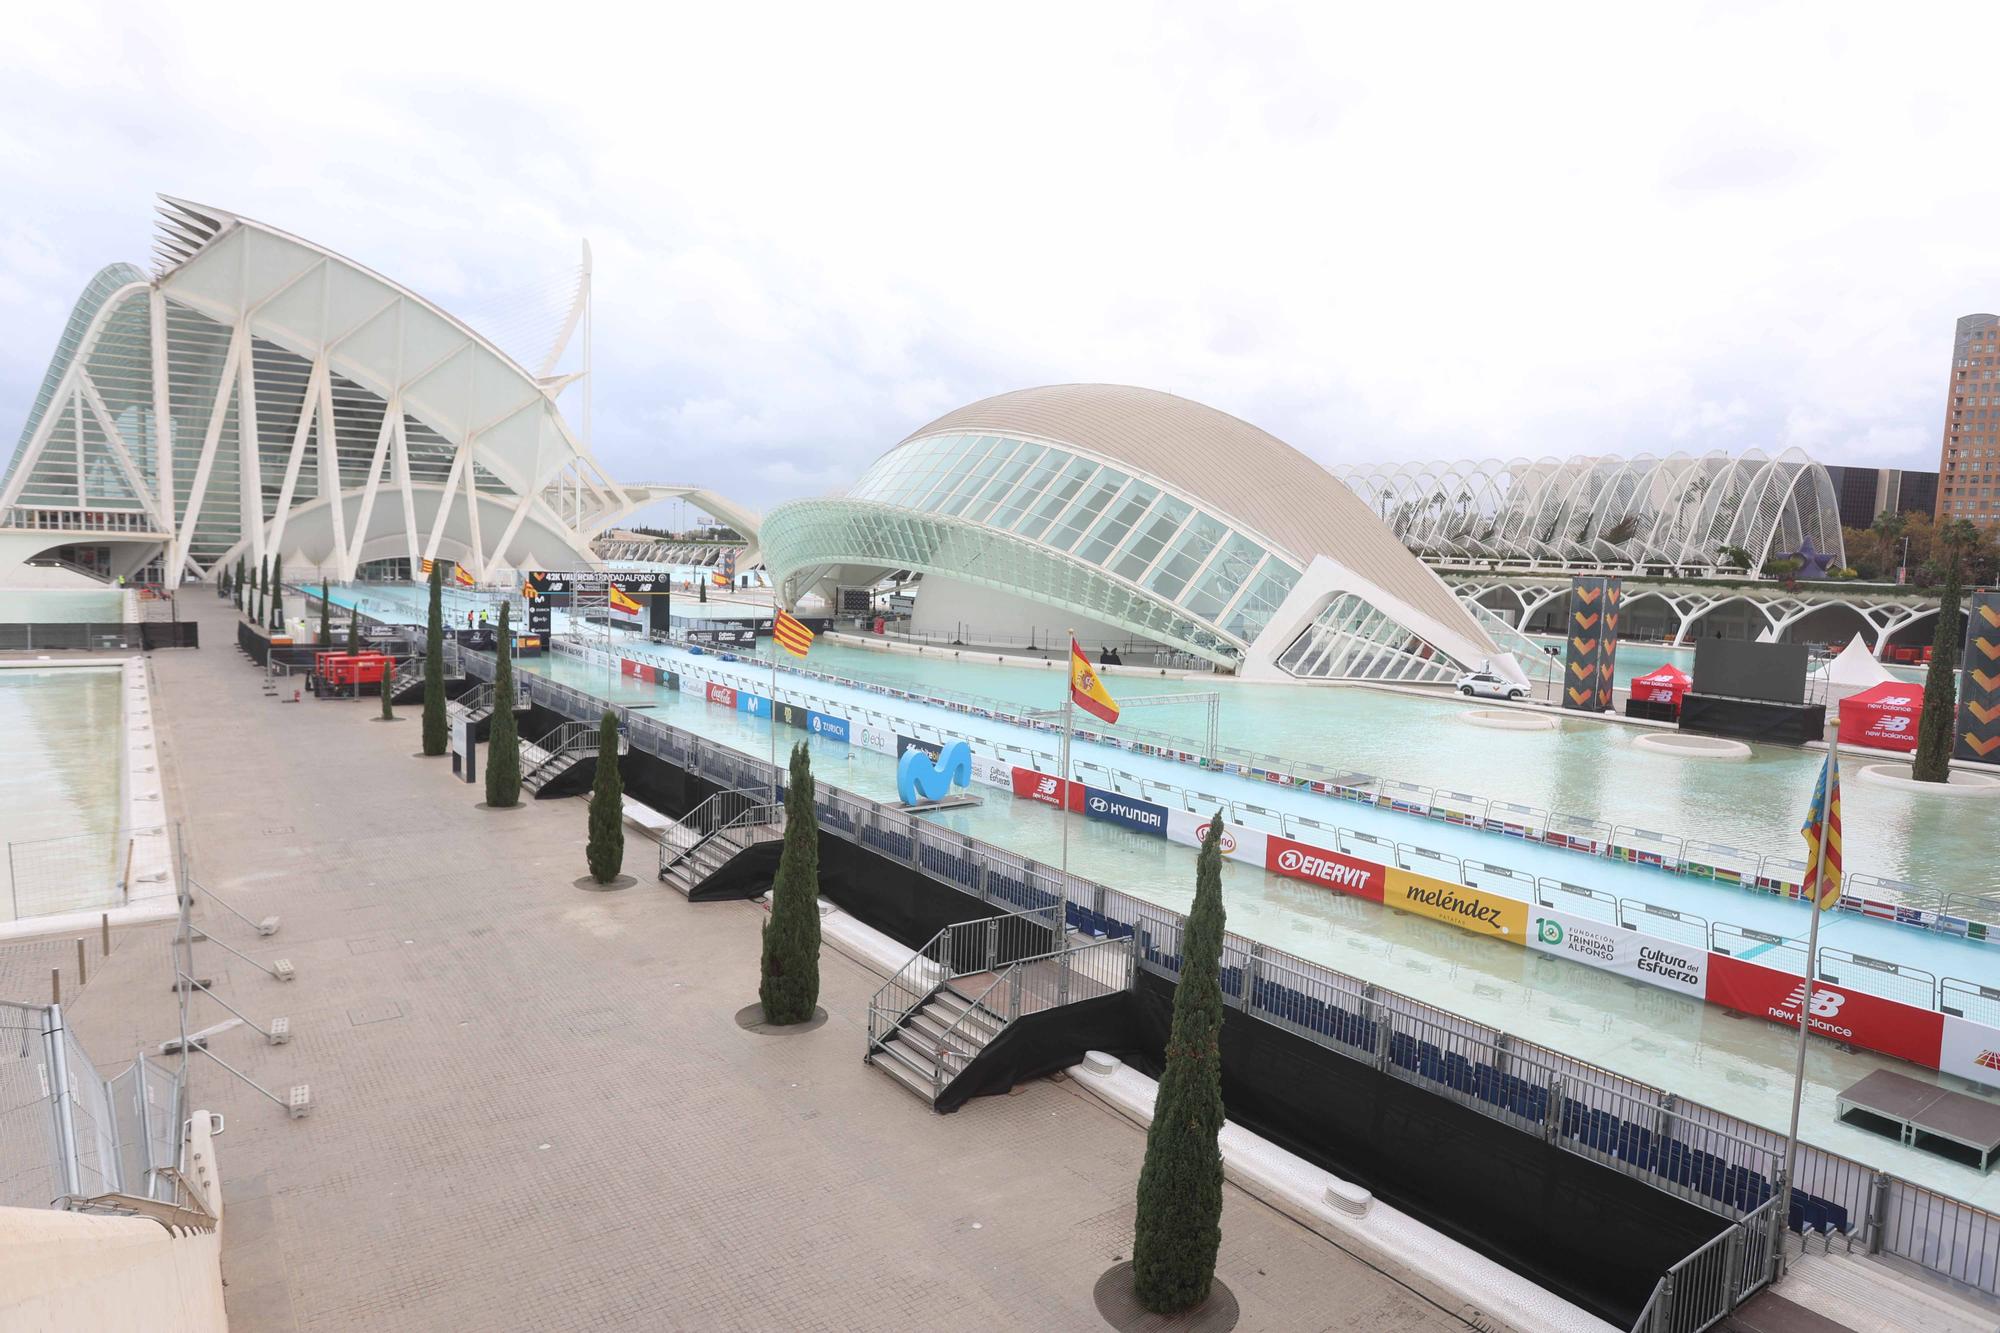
{"points": [[903, 1065], [1870, 1297], [933, 1030], [1922, 1288]]}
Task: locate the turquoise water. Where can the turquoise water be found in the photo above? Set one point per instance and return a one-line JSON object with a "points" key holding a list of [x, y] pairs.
{"points": [[1699, 1051], [64, 606], [61, 793]]}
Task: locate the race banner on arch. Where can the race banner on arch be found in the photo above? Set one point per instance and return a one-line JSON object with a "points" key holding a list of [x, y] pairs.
{"points": [[1978, 729], [1591, 655]]}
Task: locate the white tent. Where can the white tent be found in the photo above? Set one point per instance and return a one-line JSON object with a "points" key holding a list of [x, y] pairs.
{"points": [[1856, 668]]}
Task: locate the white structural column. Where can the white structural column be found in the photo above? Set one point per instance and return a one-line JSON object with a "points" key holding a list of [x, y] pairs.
{"points": [[352, 559], [329, 470], [250, 469], [308, 404], [163, 419], [211, 440], [401, 445]]}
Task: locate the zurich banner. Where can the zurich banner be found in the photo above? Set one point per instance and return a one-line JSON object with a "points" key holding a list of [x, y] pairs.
{"points": [[825, 724], [1142, 816]]}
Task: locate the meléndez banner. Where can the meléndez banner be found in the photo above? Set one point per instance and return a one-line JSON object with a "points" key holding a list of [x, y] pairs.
{"points": [[1917, 1035], [1478, 910], [1646, 958]]}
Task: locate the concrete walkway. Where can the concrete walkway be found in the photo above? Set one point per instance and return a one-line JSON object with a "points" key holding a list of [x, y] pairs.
{"points": [[533, 1107]]}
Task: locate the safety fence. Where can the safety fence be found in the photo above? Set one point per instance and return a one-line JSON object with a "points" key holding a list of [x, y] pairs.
{"points": [[1716, 1160], [69, 1135], [102, 637], [75, 872]]}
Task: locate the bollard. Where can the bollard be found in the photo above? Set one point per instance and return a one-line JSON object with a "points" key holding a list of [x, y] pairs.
{"points": [[107, 934], [82, 976], [55, 985]]}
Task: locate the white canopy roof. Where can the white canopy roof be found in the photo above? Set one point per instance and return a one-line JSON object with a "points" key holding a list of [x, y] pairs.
{"points": [[1856, 666]]}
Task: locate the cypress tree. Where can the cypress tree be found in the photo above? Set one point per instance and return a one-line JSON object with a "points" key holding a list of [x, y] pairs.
{"points": [[325, 615], [236, 584], [503, 742], [277, 593], [354, 632], [606, 849], [789, 985], [435, 738], [1179, 1226], [389, 695], [1940, 716], [263, 587]]}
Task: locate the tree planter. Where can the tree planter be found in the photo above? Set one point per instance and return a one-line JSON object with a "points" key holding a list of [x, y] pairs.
{"points": [[751, 1019]]}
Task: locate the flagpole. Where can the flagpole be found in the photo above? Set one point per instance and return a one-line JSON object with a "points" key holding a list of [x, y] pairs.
{"points": [[1062, 787], [773, 718], [1821, 812]]}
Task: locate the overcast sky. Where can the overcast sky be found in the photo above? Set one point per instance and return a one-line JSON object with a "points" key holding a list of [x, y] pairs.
{"points": [[1404, 232]]}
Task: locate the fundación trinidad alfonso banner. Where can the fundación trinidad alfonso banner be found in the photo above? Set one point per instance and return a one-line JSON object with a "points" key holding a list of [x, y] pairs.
{"points": [[1592, 652], [1978, 732], [1598, 944]]}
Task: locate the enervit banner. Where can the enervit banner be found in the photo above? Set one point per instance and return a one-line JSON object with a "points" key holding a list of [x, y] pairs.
{"points": [[1917, 1035], [825, 724], [1646, 958], [1476, 910], [1970, 1050], [721, 694], [1238, 842], [1129, 811], [1046, 788], [1333, 870], [1979, 687]]}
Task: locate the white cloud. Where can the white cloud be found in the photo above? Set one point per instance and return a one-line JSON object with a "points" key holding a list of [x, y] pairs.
{"points": [[1440, 231]]}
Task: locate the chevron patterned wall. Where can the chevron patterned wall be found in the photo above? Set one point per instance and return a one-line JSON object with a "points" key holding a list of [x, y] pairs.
{"points": [[1593, 643], [1979, 688]]}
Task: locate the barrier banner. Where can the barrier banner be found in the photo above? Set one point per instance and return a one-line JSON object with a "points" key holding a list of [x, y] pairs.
{"points": [[878, 740], [1329, 869], [1476, 910], [993, 772], [825, 724], [1916, 1035], [721, 694], [1646, 958], [1047, 788], [1883, 717], [792, 715], [907, 743], [1129, 811], [1978, 730], [1970, 1050], [1239, 843], [1592, 652], [756, 705]]}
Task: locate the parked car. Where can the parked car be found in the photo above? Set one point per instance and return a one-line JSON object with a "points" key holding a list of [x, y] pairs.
{"points": [[1487, 685]]}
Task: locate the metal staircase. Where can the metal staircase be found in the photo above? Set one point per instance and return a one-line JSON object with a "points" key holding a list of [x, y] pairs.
{"points": [[716, 832], [973, 980], [555, 754]]}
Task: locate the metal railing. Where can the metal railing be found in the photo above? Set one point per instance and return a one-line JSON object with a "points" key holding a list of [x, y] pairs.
{"points": [[744, 808], [1883, 1213], [567, 743], [963, 949], [1700, 1290], [75, 872]]}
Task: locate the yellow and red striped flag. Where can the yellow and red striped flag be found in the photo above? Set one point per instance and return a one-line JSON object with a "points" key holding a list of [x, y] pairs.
{"points": [[1086, 689], [1822, 834], [791, 634], [462, 576], [721, 580], [624, 601], [427, 566]]}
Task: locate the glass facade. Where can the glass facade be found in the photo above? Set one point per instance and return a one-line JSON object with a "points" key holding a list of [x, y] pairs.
{"points": [[1128, 531], [1351, 640]]}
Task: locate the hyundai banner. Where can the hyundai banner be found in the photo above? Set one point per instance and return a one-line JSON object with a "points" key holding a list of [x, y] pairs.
{"points": [[1112, 808], [1646, 958], [1852, 1016]]}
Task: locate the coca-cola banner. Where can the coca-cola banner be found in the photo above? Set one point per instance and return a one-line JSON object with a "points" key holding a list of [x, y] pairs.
{"points": [[1476, 910], [1970, 1050], [1852, 1016], [721, 694], [1046, 788], [1646, 958], [1330, 869]]}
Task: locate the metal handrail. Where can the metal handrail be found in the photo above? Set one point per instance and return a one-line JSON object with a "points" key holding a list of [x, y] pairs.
{"points": [[711, 817], [1007, 975], [1701, 1289]]}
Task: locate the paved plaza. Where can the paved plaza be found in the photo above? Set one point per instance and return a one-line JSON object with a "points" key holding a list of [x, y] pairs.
{"points": [[533, 1107]]}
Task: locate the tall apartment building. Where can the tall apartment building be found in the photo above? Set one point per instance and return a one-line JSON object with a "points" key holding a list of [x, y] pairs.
{"points": [[1865, 492], [1969, 458]]}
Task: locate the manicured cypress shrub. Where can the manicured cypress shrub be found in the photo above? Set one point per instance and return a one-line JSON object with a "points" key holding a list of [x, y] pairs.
{"points": [[606, 848], [1940, 716], [789, 986], [325, 615], [503, 744], [435, 733]]}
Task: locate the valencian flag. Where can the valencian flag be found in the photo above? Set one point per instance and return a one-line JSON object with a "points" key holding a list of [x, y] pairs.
{"points": [[528, 589], [1822, 834], [623, 601], [427, 566], [791, 633], [1086, 690]]}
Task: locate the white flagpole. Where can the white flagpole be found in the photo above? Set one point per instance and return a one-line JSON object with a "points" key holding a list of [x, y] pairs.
{"points": [[773, 719], [1822, 814], [1062, 787]]}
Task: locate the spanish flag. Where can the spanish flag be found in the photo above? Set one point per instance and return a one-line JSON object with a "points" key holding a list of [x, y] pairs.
{"points": [[791, 634], [721, 580], [623, 601], [1822, 834], [463, 576], [1086, 690]]}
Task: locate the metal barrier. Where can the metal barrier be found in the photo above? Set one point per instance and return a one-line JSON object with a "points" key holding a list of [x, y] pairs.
{"points": [[77, 872], [1699, 1290], [1883, 1213]]}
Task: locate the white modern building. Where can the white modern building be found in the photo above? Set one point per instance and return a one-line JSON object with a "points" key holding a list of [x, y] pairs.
{"points": [[256, 394], [1125, 513], [1682, 513]]}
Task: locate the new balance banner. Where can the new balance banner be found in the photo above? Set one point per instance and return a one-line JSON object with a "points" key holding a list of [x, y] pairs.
{"points": [[1047, 788], [1591, 654], [640, 670], [827, 725], [1646, 958], [1978, 731], [1916, 1035], [1332, 870], [1238, 842], [721, 694], [1131, 812], [1970, 1050], [1471, 909]]}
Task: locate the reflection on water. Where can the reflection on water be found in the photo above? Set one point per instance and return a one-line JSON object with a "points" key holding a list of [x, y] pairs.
{"points": [[60, 794]]}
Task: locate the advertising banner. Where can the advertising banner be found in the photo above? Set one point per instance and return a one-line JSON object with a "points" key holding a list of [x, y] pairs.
{"points": [[1476, 910], [756, 705], [792, 715], [541, 620], [1592, 651], [1978, 730], [906, 743], [827, 725], [721, 694], [1238, 842], [1646, 958], [1846, 1015], [1329, 869], [876, 739], [993, 772], [1970, 1050], [562, 584], [1882, 716], [638, 670], [1128, 811], [1046, 788]]}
